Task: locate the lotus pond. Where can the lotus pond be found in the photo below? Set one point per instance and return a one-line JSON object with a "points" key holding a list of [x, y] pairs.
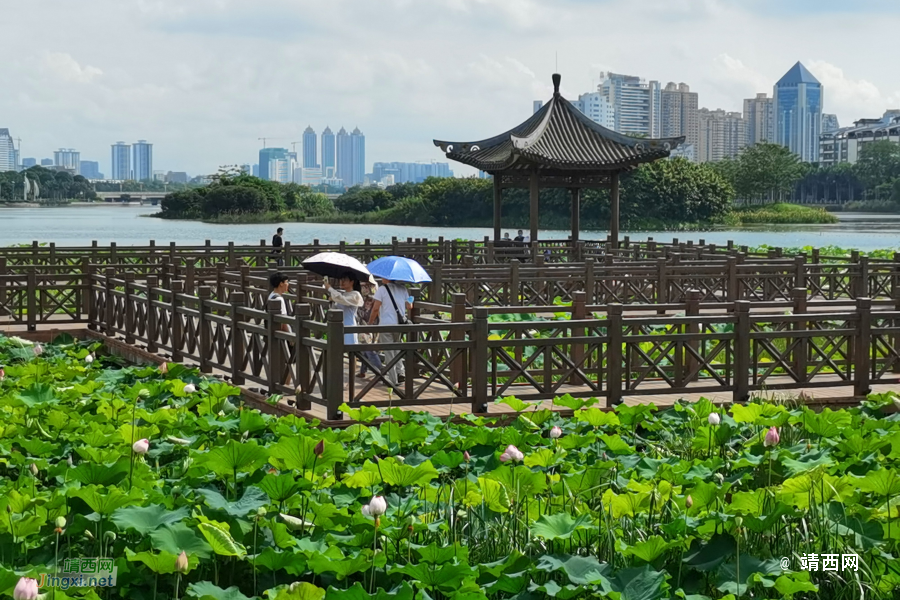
{"points": [[226, 503]]}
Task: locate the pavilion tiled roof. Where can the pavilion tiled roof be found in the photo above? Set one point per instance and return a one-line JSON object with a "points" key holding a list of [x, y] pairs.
{"points": [[559, 136]]}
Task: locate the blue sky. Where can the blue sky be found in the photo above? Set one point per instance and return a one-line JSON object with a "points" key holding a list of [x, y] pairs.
{"points": [[204, 79]]}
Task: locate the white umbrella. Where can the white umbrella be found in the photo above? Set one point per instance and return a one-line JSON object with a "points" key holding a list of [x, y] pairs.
{"points": [[335, 264]]}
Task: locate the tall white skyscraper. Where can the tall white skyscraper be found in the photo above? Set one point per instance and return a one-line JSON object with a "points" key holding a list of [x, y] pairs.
{"points": [[7, 151], [68, 158], [679, 113], [121, 162], [142, 161], [636, 103], [597, 108], [759, 113]]}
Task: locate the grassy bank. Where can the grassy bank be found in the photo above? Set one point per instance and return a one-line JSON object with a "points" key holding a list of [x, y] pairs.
{"points": [[872, 206], [777, 214]]}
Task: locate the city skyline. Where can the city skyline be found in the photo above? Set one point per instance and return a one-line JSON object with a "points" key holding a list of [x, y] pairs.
{"points": [[404, 89]]}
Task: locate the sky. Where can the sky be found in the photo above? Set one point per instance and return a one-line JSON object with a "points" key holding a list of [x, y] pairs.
{"points": [[203, 80]]}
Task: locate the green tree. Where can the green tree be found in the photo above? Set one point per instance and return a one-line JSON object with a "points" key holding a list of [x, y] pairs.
{"points": [[879, 165], [677, 190], [233, 199], [765, 172]]}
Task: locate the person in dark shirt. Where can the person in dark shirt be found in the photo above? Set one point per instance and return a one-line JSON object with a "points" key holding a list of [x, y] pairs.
{"points": [[277, 245], [519, 238]]}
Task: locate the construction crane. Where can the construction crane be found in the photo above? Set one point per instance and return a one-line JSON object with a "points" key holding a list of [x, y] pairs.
{"points": [[294, 146], [269, 138]]}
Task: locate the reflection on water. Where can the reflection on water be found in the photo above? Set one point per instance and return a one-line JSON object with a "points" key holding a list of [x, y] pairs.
{"points": [[78, 226]]}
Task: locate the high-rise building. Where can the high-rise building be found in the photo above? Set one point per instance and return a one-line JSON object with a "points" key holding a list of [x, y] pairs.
{"points": [[310, 152], [798, 102], [142, 164], [121, 162], [68, 159], [679, 113], [597, 108], [410, 172], [267, 155], [280, 170], [537, 105], [28, 162], [344, 157], [7, 151], [845, 145], [722, 134], [358, 156], [759, 113], [328, 154], [46, 162], [636, 103], [255, 171], [90, 169], [16, 160], [830, 123], [177, 177]]}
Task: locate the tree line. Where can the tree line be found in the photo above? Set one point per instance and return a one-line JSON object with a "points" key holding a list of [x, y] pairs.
{"points": [[53, 185], [660, 193], [235, 194]]}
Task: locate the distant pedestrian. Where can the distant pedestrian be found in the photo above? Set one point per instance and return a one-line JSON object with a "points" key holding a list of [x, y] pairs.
{"points": [[519, 237], [278, 282], [278, 245], [506, 237], [391, 304], [365, 311], [348, 299]]}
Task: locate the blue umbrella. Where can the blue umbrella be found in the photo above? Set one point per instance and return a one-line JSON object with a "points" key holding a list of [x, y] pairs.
{"points": [[398, 268]]}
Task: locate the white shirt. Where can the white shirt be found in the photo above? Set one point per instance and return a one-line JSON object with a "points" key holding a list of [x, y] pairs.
{"points": [[387, 315], [280, 298]]}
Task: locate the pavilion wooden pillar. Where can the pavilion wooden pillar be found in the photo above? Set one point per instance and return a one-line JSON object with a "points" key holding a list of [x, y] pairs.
{"points": [[614, 210], [498, 199], [576, 213], [535, 194]]}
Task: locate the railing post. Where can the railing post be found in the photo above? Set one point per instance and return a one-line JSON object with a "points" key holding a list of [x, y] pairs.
{"points": [[302, 356], [693, 310], [152, 320], [189, 287], [286, 253], [205, 334], [458, 315], [862, 278], [732, 289], [32, 291], [3, 272], [742, 352], [176, 321], [128, 277], [110, 325], [166, 270], [862, 376], [276, 355], [220, 282], [436, 293], [800, 271], [589, 285], [81, 291], [232, 260], [113, 258], [334, 365], [513, 293], [237, 338], [662, 282], [90, 300], [895, 324], [801, 350], [579, 313], [614, 355], [480, 364]]}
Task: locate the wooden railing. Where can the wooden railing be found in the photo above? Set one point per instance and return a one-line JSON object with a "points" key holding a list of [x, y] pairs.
{"points": [[609, 351]]}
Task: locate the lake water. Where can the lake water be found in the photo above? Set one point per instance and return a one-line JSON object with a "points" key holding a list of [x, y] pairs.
{"points": [[125, 225]]}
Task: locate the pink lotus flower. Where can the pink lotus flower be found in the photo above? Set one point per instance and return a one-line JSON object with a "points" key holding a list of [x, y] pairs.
{"points": [[26, 589], [190, 388], [38, 349], [512, 453], [2, 374], [688, 502], [555, 432], [181, 563], [772, 437], [164, 368], [376, 507], [141, 446], [467, 456]]}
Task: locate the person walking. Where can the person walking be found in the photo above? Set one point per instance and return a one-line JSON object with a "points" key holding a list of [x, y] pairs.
{"points": [[365, 311], [278, 282], [389, 308], [348, 299], [278, 245]]}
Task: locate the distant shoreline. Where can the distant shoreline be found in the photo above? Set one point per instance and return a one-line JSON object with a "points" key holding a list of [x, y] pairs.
{"points": [[70, 204]]}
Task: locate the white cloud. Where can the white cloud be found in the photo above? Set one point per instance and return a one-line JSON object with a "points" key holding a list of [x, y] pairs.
{"points": [[843, 94], [67, 68]]}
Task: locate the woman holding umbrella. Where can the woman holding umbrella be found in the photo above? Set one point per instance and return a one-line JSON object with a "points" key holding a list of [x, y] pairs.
{"points": [[348, 299]]}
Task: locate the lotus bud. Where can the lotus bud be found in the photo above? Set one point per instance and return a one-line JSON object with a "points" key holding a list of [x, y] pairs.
{"points": [[772, 437], [605, 457], [555, 432], [245, 436], [26, 589], [688, 502], [88, 534], [141, 446], [320, 448], [190, 388], [38, 349], [89, 358], [366, 511], [292, 522], [69, 462], [377, 506], [110, 536], [34, 469], [164, 368], [467, 456], [144, 393], [511, 453], [714, 418], [2, 374], [400, 458], [60, 522], [273, 471], [808, 446], [738, 521], [260, 512], [720, 478], [181, 563]]}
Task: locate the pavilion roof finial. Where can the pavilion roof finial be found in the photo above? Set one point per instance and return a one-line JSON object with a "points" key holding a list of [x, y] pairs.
{"points": [[556, 79]]}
